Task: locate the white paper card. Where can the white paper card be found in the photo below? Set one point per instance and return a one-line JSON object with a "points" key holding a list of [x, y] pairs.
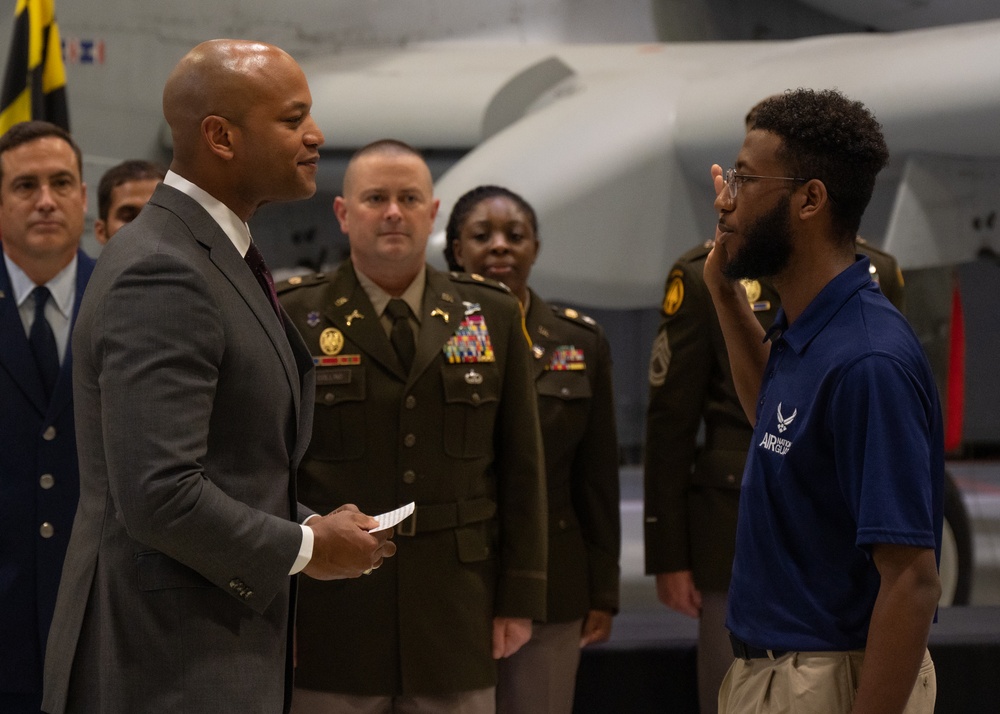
{"points": [[390, 519]]}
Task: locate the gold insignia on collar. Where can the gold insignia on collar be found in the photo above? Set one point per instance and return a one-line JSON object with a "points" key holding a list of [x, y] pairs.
{"points": [[294, 280], [438, 312], [353, 316], [447, 297], [543, 331], [340, 301], [331, 341]]}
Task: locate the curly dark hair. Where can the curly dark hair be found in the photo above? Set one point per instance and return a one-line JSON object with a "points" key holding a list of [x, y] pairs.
{"points": [[829, 137], [463, 207]]}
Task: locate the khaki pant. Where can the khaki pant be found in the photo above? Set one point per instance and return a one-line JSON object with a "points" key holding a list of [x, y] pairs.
{"points": [[810, 683]]}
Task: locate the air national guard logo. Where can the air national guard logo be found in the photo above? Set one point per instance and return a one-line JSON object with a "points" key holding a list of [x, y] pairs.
{"points": [[566, 358], [777, 444], [471, 341], [675, 293], [331, 341]]}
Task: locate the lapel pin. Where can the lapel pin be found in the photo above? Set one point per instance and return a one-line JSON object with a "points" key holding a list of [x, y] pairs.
{"points": [[438, 312], [350, 318]]}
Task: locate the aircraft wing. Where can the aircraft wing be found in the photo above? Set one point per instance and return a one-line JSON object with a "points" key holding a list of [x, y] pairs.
{"points": [[612, 143]]}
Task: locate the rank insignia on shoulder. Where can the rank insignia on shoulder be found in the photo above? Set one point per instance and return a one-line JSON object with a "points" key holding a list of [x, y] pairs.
{"points": [[471, 342], [336, 360], [331, 341], [567, 358]]}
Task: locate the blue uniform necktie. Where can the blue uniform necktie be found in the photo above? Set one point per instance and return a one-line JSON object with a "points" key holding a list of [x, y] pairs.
{"points": [[43, 342]]}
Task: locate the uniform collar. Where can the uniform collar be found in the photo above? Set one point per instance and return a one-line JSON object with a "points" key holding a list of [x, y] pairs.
{"points": [[822, 308], [412, 296], [62, 286]]}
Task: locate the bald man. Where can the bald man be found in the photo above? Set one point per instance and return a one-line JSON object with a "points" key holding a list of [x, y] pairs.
{"points": [[194, 407]]}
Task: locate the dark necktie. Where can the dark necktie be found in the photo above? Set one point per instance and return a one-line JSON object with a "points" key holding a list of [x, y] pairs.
{"points": [[256, 262], [43, 342], [401, 335]]}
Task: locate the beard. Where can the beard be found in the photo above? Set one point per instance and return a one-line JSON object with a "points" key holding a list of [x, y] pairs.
{"points": [[767, 246]]}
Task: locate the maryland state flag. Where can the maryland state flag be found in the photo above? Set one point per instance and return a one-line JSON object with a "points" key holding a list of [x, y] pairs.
{"points": [[34, 86]]}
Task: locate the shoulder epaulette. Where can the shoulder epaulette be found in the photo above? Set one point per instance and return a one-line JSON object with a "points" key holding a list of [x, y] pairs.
{"points": [[697, 253], [568, 313], [477, 279], [865, 246], [301, 281]]}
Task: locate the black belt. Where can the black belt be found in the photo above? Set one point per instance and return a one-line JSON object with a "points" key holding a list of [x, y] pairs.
{"points": [[741, 650]]}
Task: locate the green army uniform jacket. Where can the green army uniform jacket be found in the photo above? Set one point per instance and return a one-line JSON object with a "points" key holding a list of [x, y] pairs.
{"points": [[573, 378], [697, 435], [459, 436]]}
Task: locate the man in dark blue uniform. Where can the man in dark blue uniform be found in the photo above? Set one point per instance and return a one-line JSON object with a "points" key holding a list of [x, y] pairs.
{"points": [[42, 205]]}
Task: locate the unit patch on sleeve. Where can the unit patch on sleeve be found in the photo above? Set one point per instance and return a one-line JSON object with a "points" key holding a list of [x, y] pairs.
{"points": [[675, 294]]}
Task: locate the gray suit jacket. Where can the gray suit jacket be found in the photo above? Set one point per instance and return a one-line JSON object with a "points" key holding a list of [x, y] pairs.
{"points": [[175, 595]]}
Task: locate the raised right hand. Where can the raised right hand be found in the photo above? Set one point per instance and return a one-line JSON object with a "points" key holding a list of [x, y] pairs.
{"points": [[343, 547]]}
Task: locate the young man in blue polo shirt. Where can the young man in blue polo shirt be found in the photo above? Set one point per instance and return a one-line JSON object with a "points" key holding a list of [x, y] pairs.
{"points": [[835, 580]]}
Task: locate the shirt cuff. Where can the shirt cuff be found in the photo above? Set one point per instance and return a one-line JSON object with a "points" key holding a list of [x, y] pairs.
{"points": [[305, 550]]}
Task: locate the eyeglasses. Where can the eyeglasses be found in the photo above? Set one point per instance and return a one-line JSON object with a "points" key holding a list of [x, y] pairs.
{"points": [[733, 181]]}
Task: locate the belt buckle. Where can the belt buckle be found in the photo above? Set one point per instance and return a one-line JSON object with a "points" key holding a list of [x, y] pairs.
{"points": [[408, 527]]}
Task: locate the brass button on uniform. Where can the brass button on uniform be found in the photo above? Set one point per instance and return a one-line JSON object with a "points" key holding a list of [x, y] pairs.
{"points": [[564, 391], [731, 478], [47, 481], [411, 402], [47, 530], [409, 440], [328, 397], [49, 434], [476, 398], [409, 476]]}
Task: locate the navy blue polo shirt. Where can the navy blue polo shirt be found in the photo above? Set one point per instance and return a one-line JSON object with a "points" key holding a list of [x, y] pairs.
{"points": [[847, 452]]}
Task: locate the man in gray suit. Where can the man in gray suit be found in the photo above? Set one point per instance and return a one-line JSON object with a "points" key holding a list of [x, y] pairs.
{"points": [[194, 407]]}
